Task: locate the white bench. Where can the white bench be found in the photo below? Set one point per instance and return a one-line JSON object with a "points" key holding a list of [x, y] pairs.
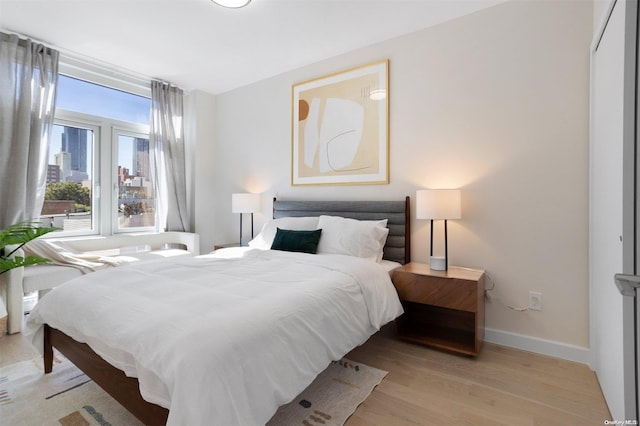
{"points": [[42, 278]]}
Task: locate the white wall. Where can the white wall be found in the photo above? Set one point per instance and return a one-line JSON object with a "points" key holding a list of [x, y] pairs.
{"points": [[200, 107], [600, 8], [495, 103]]}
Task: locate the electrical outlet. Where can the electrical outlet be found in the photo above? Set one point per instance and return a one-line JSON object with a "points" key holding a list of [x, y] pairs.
{"points": [[535, 301]]}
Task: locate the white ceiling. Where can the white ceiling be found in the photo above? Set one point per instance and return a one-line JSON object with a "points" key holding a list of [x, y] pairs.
{"points": [[199, 45]]}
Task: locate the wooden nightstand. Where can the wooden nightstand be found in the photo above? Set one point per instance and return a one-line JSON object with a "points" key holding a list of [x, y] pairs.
{"points": [[444, 309], [221, 246]]}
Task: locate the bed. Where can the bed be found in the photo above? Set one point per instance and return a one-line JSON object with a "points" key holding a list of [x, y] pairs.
{"points": [[360, 299]]}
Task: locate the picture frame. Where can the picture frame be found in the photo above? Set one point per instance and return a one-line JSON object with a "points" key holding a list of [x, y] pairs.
{"points": [[340, 128]]}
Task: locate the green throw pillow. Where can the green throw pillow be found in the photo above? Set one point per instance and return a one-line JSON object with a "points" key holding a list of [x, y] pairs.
{"points": [[300, 241]]}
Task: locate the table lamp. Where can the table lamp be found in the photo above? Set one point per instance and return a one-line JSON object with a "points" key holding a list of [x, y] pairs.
{"points": [[245, 203], [438, 204]]}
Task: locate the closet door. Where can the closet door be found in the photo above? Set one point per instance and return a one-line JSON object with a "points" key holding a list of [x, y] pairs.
{"points": [[612, 203]]}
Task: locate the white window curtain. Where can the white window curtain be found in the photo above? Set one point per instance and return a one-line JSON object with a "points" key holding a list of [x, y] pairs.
{"points": [[28, 77], [167, 143]]}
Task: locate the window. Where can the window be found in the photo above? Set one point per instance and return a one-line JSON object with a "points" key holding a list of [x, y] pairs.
{"points": [[136, 194], [70, 170], [99, 176]]}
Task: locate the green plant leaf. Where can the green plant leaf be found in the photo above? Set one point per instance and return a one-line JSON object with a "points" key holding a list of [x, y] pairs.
{"points": [[22, 232], [19, 234], [18, 261]]}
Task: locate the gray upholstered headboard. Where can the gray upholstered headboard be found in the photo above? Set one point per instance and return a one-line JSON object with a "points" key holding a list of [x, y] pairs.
{"points": [[398, 246]]}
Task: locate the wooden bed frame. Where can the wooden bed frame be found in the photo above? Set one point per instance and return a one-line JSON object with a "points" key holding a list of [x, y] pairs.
{"points": [[123, 389], [126, 390]]}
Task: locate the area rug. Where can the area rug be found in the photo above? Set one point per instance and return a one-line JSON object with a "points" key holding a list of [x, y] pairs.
{"points": [[332, 397], [68, 397], [64, 397]]}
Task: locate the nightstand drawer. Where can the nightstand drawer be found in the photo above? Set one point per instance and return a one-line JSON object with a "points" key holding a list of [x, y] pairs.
{"points": [[445, 292]]}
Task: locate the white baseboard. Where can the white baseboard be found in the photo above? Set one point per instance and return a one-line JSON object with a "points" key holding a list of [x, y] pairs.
{"points": [[541, 346]]}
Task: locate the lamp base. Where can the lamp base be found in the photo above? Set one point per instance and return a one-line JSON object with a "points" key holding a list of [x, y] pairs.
{"points": [[438, 263]]}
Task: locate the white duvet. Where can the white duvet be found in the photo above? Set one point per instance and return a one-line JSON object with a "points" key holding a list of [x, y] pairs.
{"points": [[223, 341]]}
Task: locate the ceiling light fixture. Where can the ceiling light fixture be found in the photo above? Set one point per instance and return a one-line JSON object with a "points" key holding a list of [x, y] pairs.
{"points": [[378, 94], [235, 4]]}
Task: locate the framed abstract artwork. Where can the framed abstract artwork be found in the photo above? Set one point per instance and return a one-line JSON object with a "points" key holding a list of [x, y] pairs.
{"points": [[340, 128]]}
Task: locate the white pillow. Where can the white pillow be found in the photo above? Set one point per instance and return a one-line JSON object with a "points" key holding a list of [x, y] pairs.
{"points": [[360, 238], [265, 238]]}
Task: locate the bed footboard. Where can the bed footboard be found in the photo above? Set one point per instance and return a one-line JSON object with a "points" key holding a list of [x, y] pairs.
{"points": [[115, 382]]}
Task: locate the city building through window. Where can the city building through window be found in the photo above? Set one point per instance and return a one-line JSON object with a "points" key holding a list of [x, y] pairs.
{"points": [[99, 177]]}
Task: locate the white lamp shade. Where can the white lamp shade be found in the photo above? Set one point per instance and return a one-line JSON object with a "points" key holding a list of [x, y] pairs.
{"points": [[438, 204], [245, 203]]}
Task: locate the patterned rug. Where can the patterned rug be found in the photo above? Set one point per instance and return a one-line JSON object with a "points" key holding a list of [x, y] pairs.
{"points": [[68, 397], [332, 397]]}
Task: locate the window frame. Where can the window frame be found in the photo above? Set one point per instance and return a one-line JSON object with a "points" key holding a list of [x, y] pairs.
{"points": [[104, 208], [104, 213], [71, 119], [131, 130]]}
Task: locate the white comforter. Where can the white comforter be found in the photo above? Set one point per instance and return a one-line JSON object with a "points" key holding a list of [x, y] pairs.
{"points": [[223, 341]]}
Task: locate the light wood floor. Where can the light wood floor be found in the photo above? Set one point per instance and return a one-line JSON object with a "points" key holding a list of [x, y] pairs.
{"points": [[502, 386]]}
